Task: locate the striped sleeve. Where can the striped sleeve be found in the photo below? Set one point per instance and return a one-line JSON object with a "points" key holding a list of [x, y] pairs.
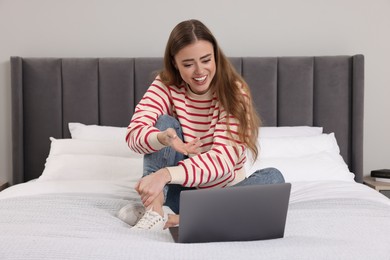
{"points": [[218, 166], [141, 134]]}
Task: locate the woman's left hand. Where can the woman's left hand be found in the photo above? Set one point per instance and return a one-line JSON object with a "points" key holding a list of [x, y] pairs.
{"points": [[150, 186], [173, 220]]}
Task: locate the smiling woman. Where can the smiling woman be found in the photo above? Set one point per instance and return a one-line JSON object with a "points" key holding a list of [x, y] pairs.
{"points": [[194, 125]]}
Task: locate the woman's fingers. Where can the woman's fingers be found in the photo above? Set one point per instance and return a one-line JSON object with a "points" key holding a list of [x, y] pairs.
{"points": [[173, 220], [193, 147], [147, 201], [136, 187]]}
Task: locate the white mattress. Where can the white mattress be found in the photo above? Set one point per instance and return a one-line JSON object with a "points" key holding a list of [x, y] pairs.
{"points": [[77, 220]]}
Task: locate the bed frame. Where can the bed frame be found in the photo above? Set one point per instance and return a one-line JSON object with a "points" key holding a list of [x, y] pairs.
{"points": [[47, 93]]}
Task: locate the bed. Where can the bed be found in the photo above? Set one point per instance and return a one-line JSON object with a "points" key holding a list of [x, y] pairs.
{"points": [[72, 171]]}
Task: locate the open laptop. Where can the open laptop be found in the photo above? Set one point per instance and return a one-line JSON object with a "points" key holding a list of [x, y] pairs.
{"points": [[243, 213]]}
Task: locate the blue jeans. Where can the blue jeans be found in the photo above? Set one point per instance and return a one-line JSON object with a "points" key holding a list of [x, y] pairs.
{"points": [[169, 157]]}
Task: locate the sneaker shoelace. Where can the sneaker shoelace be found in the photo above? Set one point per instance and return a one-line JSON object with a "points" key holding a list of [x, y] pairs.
{"points": [[149, 219]]}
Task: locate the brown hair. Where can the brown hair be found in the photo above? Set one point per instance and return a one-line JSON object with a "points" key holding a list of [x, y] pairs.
{"points": [[227, 83]]}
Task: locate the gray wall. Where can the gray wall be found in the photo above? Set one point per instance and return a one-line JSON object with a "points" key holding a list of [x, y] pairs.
{"points": [[120, 28]]}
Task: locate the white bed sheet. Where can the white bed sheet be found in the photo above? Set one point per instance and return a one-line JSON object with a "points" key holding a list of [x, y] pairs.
{"points": [[62, 220]]}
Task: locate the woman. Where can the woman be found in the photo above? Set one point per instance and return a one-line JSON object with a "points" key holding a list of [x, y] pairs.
{"points": [[194, 125]]}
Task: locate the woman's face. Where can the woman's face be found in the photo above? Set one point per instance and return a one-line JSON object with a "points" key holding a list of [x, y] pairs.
{"points": [[196, 65]]}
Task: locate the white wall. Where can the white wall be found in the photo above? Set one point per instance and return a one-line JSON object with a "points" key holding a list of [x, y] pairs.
{"points": [[120, 28]]}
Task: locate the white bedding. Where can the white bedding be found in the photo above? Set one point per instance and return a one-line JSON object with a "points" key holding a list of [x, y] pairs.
{"points": [[77, 220]]}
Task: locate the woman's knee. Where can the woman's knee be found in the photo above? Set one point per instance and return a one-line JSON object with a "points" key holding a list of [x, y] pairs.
{"points": [[271, 175], [275, 175], [166, 121]]}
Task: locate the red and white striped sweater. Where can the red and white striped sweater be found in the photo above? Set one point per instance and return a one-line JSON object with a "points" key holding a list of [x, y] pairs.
{"points": [[219, 164]]}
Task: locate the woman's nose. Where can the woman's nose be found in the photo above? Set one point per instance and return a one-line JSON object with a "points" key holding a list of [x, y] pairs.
{"points": [[198, 69]]}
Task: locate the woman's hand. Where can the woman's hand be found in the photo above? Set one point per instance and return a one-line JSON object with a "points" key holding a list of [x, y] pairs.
{"points": [[150, 186], [173, 220], [170, 138]]}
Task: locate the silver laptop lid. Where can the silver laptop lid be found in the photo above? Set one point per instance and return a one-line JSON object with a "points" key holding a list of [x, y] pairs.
{"points": [[233, 214]]}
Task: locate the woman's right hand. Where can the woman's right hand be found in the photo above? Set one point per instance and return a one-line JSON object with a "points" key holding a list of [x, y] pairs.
{"points": [[170, 138]]}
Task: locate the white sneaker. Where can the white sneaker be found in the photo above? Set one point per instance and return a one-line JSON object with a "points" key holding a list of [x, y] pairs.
{"points": [[151, 220], [131, 213]]}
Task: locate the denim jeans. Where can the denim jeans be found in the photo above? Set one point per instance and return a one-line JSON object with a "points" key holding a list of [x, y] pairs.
{"points": [[169, 157]]}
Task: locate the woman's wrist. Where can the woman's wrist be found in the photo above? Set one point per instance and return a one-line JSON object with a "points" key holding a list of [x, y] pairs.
{"points": [[166, 175], [160, 138]]}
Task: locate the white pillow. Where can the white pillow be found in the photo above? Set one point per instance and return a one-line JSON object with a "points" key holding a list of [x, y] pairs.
{"points": [[285, 131], [315, 167], [303, 158], [91, 167], [297, 146], [71, 159], [97, 132], [79, 146]]}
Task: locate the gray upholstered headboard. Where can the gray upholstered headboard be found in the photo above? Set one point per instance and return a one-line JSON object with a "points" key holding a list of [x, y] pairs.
{"points": [[47, 93]]}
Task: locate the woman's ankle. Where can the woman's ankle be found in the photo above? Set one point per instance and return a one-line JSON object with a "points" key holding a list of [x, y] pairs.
{"points": [[157, 205]]}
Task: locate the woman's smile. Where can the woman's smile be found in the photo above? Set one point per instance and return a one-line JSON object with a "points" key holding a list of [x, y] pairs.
{"points": [[196, 65]]}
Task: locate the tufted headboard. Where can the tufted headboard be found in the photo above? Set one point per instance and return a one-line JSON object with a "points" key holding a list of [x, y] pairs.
{"points": [[47, 93]]}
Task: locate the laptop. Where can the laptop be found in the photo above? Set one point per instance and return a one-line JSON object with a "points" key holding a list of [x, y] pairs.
{"points": [[245, 213]]}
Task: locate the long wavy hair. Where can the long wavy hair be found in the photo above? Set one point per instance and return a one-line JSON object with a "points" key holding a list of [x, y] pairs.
{"points": [[227, 83]]}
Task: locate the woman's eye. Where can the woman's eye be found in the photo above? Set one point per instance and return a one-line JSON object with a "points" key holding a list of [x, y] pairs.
{"points": [[207, 61], [187, 65]]}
